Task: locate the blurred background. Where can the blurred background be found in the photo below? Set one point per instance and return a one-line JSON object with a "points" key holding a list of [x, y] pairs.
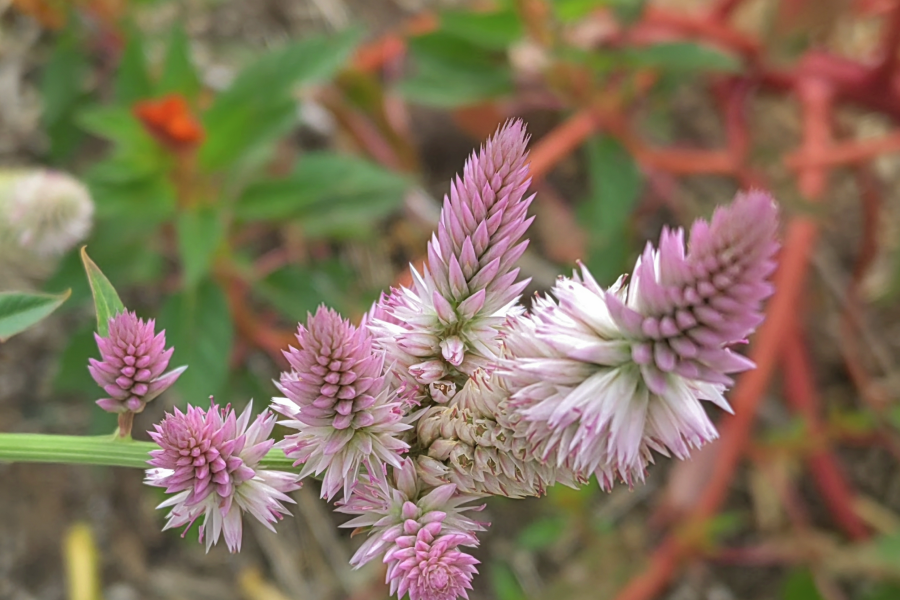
{"points": [[242, 161]]}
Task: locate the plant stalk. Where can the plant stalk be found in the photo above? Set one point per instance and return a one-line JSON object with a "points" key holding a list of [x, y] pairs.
{"points": [[104, 450]]}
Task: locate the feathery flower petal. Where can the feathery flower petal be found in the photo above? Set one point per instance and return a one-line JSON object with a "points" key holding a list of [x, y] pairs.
{"points": [[132, 360], [339, 401], [209, 460]]}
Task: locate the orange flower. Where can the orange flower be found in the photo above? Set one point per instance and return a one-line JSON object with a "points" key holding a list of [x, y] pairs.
{"points": [[170, 121]]}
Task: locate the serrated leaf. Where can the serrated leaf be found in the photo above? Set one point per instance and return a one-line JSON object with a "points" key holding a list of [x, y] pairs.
{"points": [[493, 30], [106, 300], [178, 73], [323, 184], [21, 310], [198, 325], [257, 106], [682, 57], [200, 232], [132, 78]]}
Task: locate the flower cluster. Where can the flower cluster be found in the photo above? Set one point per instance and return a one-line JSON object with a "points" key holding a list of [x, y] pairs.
{"points": [[451, 390]]}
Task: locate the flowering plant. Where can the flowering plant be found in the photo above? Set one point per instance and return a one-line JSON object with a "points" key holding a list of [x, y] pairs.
{"points": [[451, 390]]}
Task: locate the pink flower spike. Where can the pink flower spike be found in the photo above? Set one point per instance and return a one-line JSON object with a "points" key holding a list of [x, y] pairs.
{"points": [[131, 365], [601, 378], [339, 402], [209, 460]]}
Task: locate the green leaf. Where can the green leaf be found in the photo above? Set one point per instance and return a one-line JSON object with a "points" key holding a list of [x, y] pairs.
{"points": [[200, 231], [800, 585], [325, 188], [451, 71], [132, 79], [62, 92], [296, 290], [883, 591], [72, 375], [492, 30], [198, 325], [258, 106], [178, 73], [615, 186], [542, 533], [118, 125], [21, 310], [682, 57], [504, 582], [147, 200], [106, 301]]}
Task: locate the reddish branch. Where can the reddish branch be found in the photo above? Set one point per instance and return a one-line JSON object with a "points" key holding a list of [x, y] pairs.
{"points": [[802, 397]]}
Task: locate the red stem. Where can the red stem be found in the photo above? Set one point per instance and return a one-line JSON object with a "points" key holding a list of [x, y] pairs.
{"points": [[802, 397]]}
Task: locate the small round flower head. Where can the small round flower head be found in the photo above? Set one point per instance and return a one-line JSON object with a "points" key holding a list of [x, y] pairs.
{"points": [[340, 403], [209, 460], [426, 562], [604, 377], [384, 505], [45, 212], [132, 360], [446, 324]]}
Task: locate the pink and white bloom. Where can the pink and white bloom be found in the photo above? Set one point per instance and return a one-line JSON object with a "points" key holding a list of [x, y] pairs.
{"points": [[447, 323], [132, 360], [339, 402], [209, 460], [383, 504], [602, 377]]}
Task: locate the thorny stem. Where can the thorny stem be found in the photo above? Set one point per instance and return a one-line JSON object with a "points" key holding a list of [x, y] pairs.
{"points": [[106, 451]]}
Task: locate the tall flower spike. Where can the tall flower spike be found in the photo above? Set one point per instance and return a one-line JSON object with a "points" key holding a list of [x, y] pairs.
{"points": [[447, 323], [210, 461], [338, 400], [611, 375], [132, 360]]}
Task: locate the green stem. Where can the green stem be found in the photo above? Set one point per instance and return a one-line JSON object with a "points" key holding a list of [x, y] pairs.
{"points": [[102, 450]]}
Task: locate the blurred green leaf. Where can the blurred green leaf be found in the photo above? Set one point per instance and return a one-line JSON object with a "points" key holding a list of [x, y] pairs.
{"points": [[451, 71], [198, 325], [132, 78], [327, 191], [118, 125], [21, 310], [574, 10], [883, 591], [542, 533], [258, 106], [493, 30], [615, 186], [681, 57], [800, 585], [178, 73], [296, 290], [149, 201], [504, 582], [200, 231], [63, 92], [73, 376], [106, 300]]}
